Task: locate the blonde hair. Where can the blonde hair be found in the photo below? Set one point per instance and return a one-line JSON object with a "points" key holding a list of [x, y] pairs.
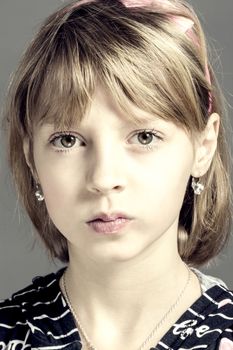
{"points": [[143, 58]]}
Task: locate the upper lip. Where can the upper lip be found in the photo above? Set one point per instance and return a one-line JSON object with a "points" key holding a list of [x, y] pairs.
{"points": [[109, 216]]}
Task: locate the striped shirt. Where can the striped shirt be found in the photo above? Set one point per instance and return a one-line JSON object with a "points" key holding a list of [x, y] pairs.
{"points": [[38, 317]]}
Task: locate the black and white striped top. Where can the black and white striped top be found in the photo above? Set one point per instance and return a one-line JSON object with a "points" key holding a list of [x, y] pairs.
{"points": [[38, 317]]}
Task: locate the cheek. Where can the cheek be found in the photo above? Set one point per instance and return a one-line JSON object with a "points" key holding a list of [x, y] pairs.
{"points": [[60, 197], [167, 181], [173, 166], [59, 179], [59, 187]]}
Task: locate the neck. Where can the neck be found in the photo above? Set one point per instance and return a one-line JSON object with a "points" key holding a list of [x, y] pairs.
{"points": [[124, 277], [120, 292], [125, 298]]}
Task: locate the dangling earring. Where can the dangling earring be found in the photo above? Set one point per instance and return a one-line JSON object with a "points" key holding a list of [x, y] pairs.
{"points": [[39, 195], [197, 186]]}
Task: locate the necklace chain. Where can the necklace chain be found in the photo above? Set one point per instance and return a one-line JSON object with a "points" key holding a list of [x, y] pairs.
{"points": [[89, 344]]}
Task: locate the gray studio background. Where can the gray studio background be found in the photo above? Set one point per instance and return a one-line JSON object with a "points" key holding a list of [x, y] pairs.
{"points": [[20, 259]]}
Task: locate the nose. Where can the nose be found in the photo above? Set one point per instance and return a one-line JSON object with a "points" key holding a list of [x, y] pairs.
{"points": [[106, 172]]}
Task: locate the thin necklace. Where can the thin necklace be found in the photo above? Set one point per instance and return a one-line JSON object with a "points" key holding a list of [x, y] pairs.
{"points": [[89, 344]]}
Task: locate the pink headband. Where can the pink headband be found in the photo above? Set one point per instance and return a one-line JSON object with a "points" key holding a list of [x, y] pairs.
{"points": [[185, 24]]}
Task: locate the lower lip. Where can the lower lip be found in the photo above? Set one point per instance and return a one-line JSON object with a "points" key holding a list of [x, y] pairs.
{"points": [[109, 227]]}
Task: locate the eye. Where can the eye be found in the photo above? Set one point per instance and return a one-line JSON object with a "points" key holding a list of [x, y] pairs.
{"points": [[146, 138], [64, 141]]}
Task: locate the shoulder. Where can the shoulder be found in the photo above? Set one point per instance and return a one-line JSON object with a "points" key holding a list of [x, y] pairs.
{"points": [[218, 321], [223, 320], [208, 323], [12, 321], [17, 311]]}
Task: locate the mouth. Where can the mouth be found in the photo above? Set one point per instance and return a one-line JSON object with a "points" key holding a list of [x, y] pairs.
{"points": [[104, 217], [109, 227]]}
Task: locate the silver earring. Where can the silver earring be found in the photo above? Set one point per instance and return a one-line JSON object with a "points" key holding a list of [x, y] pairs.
{"points": [[39, 195], [197, 186]]}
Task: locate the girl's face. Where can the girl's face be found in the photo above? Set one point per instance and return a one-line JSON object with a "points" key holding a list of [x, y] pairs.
{"points": [[108, 165]]}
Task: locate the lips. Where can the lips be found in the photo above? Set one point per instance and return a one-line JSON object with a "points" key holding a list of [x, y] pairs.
{"points": [[109, 227], [109, 217]]}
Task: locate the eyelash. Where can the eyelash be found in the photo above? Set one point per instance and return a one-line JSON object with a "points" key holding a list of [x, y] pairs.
{"points": [[61, 134]]}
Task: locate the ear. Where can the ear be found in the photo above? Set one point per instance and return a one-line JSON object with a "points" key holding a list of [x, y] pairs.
{"points": [[206, 146], [26, 150]]}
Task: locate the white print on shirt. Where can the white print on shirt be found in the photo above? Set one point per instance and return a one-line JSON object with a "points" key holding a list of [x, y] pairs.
{"points": [[186, 328]]}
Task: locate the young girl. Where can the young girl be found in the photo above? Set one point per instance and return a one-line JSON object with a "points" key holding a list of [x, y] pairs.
{"points": [[118, 150]]}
